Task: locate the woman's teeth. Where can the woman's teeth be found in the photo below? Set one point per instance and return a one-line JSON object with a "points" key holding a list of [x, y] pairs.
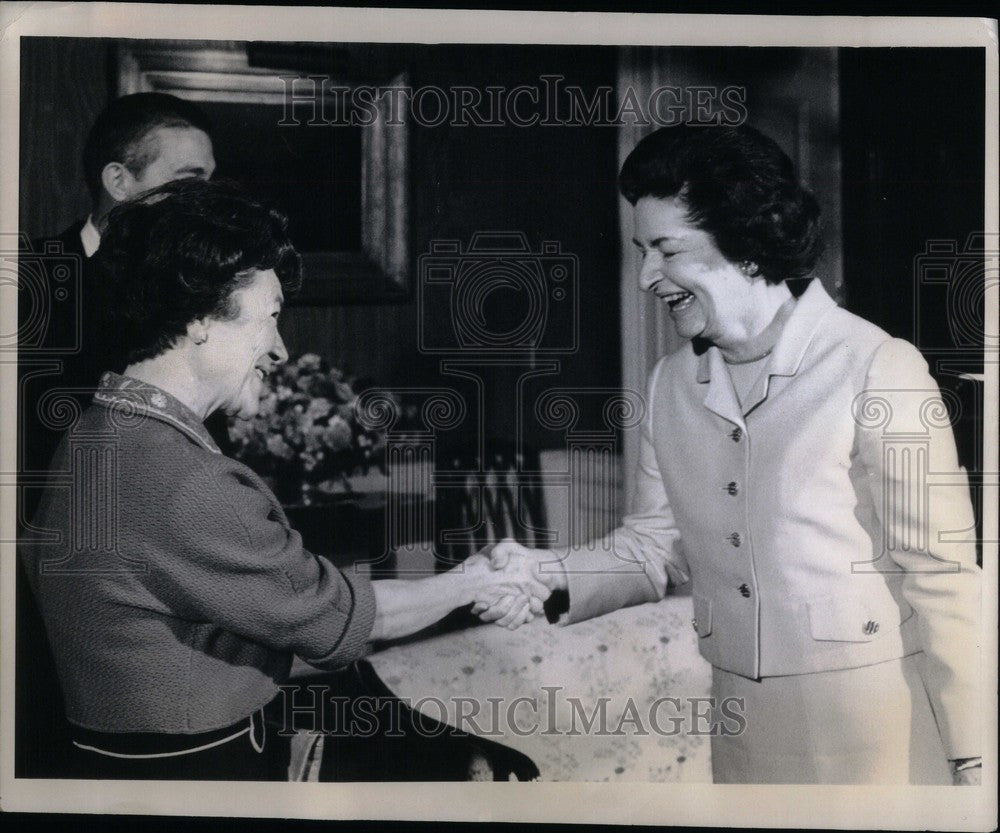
{"points": [[678, 300]]}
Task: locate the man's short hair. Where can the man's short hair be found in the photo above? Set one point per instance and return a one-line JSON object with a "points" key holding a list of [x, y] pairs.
{"points": [[121, 131]]}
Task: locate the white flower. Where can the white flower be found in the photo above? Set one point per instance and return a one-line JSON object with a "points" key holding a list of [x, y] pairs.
{"points": [[277, 447], [337, 436], [309, 362], [318, 408]]}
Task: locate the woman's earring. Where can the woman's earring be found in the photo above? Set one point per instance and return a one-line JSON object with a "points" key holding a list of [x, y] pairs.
{"points": [[749, 268]]}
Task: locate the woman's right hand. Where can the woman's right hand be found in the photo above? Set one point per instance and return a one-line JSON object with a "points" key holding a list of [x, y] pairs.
{"points": [[533, 569]]}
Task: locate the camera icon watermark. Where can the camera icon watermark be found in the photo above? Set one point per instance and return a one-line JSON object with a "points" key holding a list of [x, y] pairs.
{"points": [[500, 296], [46, 287], [954, 281]]}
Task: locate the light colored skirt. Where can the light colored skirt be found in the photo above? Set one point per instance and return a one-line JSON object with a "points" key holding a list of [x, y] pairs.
{"points": [[870, 725]]}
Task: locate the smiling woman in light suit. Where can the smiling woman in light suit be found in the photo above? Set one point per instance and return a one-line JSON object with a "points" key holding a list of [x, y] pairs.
{"points": [[780, 473]]}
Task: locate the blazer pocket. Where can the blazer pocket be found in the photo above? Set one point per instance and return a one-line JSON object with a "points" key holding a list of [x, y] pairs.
{"points": [[702, 622], [833, 619]]}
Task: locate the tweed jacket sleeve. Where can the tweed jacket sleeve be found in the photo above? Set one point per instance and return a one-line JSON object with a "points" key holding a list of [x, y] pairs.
{"points": [[638, 561], [229, 557], [920, 494]]}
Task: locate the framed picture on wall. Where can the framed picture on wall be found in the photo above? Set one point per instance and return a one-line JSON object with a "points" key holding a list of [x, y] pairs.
{"points": [[338, 170]]}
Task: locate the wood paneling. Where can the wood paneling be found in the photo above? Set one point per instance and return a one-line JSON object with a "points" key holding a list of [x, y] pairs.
{"points": [[364, 341], [64, 85]]}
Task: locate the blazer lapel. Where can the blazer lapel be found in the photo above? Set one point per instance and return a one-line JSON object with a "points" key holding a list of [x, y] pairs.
{"points": [[798, 332], [720, 398], [758, 393]]}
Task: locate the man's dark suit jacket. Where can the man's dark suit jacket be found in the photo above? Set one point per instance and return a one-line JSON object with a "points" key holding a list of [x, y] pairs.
{"points": [[58, 363], [64, 343]]}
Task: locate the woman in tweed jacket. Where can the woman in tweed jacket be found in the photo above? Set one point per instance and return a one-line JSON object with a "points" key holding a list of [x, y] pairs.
{"points": [[173, 590]]}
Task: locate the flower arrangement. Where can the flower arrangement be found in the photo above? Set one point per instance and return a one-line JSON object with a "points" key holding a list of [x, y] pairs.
{"points": [[306, 439]]}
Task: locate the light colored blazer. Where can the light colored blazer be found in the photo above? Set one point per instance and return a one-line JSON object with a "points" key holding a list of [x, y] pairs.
{"points": [[825, 525]]}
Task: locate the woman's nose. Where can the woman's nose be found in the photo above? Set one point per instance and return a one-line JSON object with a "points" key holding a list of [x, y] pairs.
{"points": [[649, 273], [279, 353]]}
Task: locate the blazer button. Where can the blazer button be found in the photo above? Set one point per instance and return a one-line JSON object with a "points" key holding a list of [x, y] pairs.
{"points": [[744, 591], [694, 624], [734, 539], [732, 488], [871, 627], [736, 434]]}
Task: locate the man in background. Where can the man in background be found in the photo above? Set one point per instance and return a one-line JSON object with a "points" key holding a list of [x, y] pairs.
{"points": [[137, 143]]}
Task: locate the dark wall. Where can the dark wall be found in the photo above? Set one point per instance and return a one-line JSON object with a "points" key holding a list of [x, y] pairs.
{"points": [[65, 83], [913, 127], [553, 184]]}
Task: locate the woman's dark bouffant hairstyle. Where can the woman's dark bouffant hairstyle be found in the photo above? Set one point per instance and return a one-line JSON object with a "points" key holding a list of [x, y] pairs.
{"points": [[738, 186], [177, 254]]}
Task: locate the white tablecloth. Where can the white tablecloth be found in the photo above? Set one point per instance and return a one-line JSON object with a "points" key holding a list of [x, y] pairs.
{"points": [[627, 660]]}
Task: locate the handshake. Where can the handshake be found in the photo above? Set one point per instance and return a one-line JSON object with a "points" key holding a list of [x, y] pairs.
{"points": [[511, 582]]}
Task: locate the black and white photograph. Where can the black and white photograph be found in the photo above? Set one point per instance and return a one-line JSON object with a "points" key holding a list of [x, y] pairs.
{"points": [[396, 399]]}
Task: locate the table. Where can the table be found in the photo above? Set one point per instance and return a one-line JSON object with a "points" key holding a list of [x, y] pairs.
{"points": [[626, 660]]}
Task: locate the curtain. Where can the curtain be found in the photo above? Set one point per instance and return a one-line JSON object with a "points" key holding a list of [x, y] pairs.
{"points": [[790, 94]]}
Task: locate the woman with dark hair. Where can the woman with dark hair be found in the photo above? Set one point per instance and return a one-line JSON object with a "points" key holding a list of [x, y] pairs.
{"points": [[780, 472], [173, 590]]}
